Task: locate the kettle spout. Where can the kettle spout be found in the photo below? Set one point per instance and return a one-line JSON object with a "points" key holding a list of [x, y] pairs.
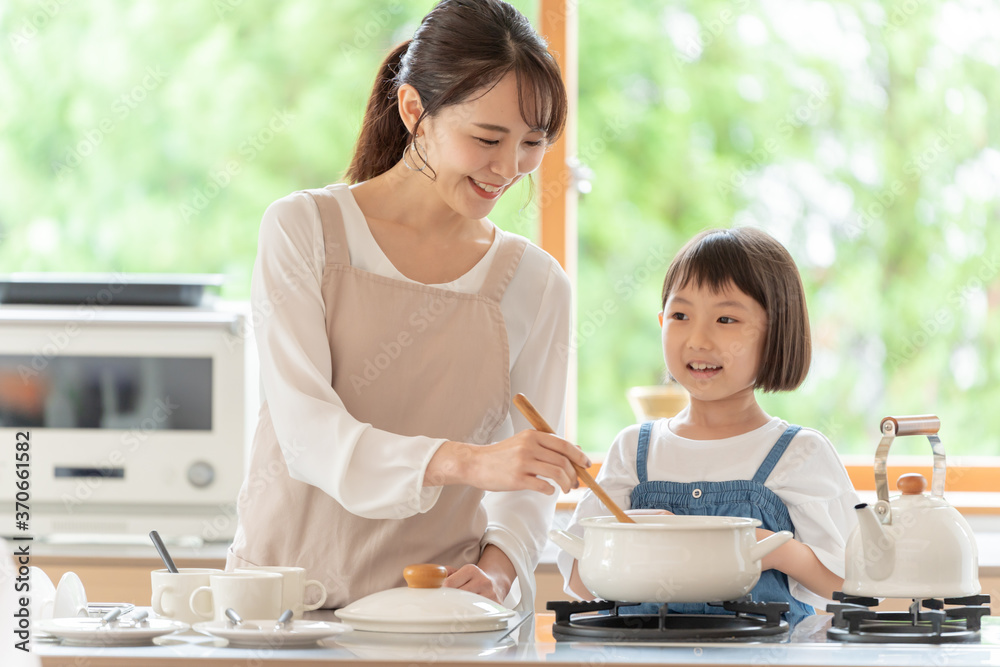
{"points": [[879, 547]]}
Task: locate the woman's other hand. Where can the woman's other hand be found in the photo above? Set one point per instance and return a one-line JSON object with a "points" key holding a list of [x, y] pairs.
{"points": [[517, 463], [492, 577]]}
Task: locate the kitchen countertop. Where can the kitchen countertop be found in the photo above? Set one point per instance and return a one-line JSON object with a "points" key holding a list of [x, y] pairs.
{"points": [[806, 645]]}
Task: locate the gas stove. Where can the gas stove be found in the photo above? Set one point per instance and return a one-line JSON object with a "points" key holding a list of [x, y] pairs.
{"points": [[853, 620], [930, 621], [747, 620]]}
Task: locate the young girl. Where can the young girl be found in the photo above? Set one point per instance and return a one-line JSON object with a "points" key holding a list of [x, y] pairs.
{"points": [[734, 321], [396, 321]]}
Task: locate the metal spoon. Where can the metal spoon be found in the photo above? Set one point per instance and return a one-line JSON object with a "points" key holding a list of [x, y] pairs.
{"points": [[539, 424], [161, 548], [110, 618], [234, 619], [283, 620], [140, 618]]}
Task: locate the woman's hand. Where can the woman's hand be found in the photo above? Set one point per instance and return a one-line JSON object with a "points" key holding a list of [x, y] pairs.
{"points": [[471, 578], [519, 462], [492, 577]]}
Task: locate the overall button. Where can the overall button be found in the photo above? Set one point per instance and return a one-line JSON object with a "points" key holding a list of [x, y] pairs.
{"points": [[696, 493]]}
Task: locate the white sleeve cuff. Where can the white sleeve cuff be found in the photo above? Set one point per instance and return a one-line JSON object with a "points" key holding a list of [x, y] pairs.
{"points": [[522, 595]]}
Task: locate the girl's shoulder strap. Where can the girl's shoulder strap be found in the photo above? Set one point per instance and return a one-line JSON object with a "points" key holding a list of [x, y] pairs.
{"points": [[642, 452], [764, 471]]}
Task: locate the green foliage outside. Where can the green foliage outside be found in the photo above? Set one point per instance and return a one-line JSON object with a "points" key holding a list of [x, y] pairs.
{"points": [[150, 136]]}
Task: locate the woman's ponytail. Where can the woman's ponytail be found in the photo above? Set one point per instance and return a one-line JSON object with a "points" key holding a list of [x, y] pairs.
{"points": [[383, 135]]}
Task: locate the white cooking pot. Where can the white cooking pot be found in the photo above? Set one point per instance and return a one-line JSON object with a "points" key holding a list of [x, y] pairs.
{"points": [[668, 558]]}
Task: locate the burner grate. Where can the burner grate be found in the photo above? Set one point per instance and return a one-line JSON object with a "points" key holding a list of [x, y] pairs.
{"points": [[927, 621], [749, 619]]}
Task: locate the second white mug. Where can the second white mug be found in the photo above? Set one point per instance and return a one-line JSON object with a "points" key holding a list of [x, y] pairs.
{"points": [[293, 587], [254, 595]]}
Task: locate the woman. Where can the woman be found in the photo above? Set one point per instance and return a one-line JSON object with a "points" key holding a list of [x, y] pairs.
{"points": [[401, 323]]}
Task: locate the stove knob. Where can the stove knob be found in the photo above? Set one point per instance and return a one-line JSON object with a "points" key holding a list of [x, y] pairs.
{"points": [[201, 474]]}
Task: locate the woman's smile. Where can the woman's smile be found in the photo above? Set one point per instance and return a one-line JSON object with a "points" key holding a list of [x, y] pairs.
{"points": [[485, 190]]}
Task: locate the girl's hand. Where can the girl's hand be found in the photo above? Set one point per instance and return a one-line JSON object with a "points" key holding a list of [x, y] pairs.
{"points": [[517, 463]]}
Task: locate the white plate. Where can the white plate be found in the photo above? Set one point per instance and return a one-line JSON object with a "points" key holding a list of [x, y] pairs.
{"points": [[90, 632], [262, 634]]}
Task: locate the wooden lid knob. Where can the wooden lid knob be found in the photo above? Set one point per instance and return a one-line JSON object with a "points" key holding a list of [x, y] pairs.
{"points": [[425, 575], [911, 484]]}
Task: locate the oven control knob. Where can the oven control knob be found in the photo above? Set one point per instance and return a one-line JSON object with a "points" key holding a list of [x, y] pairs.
{"points": [[201, 474]]}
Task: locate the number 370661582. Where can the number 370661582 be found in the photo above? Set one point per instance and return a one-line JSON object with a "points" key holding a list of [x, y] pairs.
{"points": [[22, 471]]}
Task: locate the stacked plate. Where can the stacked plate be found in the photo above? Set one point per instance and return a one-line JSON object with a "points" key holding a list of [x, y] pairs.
{"points": [[265, 633]]}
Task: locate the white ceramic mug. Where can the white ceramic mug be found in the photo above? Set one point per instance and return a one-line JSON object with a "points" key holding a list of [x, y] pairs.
{"points": [[172, 590], [254, 595], [293, 587]]}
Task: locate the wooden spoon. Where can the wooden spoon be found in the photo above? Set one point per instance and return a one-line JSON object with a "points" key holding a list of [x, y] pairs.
{"points": [[539, 424]]}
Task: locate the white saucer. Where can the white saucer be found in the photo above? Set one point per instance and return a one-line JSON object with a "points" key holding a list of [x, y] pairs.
{"points": [[262, 634], [90, 632]]}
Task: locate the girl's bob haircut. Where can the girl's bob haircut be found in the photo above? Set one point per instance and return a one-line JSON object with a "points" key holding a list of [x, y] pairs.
{"points": [[760, 267]]}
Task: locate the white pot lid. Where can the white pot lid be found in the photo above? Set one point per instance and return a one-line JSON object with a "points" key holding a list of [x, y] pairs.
{"points": [[425, 606]]}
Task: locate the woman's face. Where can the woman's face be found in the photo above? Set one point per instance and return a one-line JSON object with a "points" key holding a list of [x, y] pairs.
{"points": [[480, 148]]}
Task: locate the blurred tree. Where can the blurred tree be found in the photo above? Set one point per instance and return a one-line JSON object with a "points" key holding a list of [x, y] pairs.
{"points": [[149, 136], [855, 132]]}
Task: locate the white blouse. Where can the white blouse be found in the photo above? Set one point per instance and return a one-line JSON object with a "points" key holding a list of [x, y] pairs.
{"points": [[809, 479], [296, 375]]}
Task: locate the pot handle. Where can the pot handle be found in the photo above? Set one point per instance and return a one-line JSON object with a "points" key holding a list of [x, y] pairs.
{"points": [[769, 544], [569, 543]]}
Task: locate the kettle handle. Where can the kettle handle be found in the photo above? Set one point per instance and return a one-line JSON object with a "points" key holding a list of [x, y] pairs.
{"points": [[891, 427]]}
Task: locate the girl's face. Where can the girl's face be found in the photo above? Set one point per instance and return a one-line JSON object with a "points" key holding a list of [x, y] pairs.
{"points": [[712, 342], [480, 148]]}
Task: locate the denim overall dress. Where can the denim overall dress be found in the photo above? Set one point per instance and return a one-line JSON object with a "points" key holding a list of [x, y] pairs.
{"points": [[738, 497]]}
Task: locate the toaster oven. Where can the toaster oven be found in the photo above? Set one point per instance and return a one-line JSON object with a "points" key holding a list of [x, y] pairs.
{"points": [[138, 418]]}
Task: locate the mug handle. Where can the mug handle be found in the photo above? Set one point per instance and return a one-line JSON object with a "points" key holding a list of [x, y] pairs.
{"points": [[322, 595], [158, 601], [194, 606]]}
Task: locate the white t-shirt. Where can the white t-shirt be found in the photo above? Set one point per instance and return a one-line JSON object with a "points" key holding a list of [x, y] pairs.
{"points": [[296, 373], [809, 478]]}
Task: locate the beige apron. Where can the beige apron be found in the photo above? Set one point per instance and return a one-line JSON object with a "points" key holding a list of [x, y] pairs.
{"points": [[409, 359]]}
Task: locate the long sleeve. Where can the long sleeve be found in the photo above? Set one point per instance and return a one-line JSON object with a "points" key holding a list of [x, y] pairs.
{"points": [[372, 473], [518, 522]]}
